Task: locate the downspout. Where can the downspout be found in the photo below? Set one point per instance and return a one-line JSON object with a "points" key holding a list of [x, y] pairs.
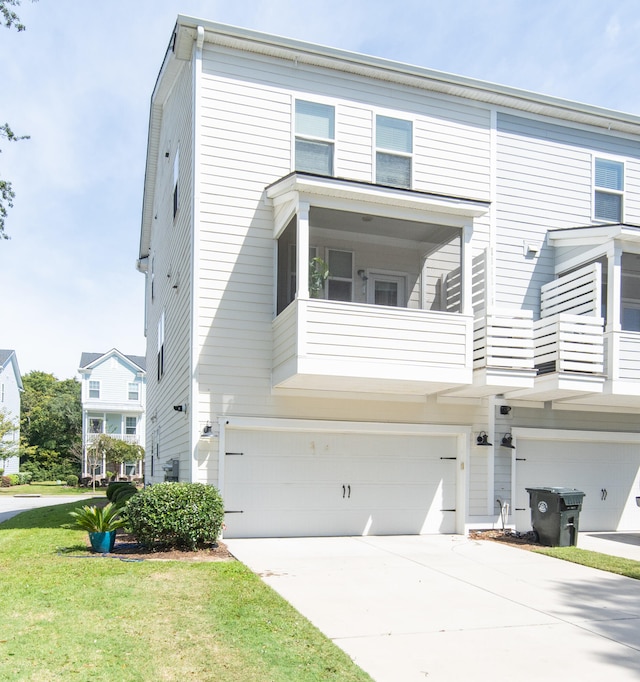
{"points": [[194, 397]]}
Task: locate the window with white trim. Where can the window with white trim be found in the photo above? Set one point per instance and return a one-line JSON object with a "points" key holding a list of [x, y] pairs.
{"points": [[315, 137], [394, 151], [130, 426], [608, 190], [176, 176], [94, 389], [133, 391], [340, 280], [1, 393], [160, 343]]}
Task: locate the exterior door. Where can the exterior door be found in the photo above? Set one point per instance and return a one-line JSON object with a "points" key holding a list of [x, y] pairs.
{"points": [[383, 289]]}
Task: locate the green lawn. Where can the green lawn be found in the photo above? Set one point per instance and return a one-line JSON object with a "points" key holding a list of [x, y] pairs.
{"points": [[69, 615], [49, 488], [604, 562]]}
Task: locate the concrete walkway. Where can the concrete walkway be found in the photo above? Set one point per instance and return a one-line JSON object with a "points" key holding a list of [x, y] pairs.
{"points": [[446, 608]]}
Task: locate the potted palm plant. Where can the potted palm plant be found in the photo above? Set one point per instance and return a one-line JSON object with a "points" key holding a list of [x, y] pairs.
{"points": [[101, 523]]}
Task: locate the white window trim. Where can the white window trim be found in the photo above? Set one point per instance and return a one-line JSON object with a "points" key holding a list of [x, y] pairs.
{"points": [[137, 390], [315, 100], [94, 381], [604, 190], [374, 274], [400, 116]]}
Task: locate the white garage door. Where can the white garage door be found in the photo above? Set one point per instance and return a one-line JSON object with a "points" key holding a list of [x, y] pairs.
{"points": [[285, 483], [608, 474]]}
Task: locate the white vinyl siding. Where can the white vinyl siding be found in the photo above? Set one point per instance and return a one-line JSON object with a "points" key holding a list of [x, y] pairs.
{"points": [[315, 134], [394, 148], [608, 190]]}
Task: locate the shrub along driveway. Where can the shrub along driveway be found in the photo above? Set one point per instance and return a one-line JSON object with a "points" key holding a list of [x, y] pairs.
{"points": [[449, 608]]}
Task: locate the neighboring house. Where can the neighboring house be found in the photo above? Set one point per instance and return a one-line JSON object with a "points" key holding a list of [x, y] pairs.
{"points": [[478, 332], [113, 402], [10, 389]]}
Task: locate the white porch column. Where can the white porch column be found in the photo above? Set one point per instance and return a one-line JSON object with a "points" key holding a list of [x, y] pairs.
{"points": [[614, 299], [467, 270], [302, 250]]}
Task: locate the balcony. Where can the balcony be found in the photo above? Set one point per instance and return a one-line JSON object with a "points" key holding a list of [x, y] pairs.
{"points": [[343, 346], [133, 439]]}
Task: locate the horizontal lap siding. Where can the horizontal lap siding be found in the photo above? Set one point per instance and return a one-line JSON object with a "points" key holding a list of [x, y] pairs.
{"points": [[543, 182], [246, 137], [171, 252]]}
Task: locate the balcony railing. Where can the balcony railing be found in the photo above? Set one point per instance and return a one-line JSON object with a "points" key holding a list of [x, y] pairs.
{"points": [[569, 343], [134, 439], [503, 339], [350, 346]]}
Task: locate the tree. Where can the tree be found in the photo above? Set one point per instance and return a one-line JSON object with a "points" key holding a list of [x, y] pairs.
{"points": [[7, 194], [7, 448], [50, 419], [111, 451]]}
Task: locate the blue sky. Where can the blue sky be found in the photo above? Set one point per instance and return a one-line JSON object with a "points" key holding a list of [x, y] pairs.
{"points": [[79, 81]]}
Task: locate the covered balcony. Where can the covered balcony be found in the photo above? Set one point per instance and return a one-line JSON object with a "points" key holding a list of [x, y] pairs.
{"points": [[374, 288], [587, 341]]}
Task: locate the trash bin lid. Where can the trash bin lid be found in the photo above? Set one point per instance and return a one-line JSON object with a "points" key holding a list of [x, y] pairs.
{"points": [[568, 495]]}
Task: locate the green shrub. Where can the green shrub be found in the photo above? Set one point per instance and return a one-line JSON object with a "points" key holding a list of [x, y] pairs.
{"points": [[98, 519], [181, 515], [72, 481], [113, 486], [121, 495], [24, 477], [14, 479]]}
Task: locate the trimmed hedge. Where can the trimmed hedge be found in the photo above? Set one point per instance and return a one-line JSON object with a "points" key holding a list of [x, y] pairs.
{"points": [[121, 495], [176, 515], [116, 485]]}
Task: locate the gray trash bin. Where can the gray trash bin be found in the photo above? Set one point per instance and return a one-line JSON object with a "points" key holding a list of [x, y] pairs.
{"points": [[555, 515]]}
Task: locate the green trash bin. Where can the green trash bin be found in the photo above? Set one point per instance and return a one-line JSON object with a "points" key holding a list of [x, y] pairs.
{"points": [[555, 515]]}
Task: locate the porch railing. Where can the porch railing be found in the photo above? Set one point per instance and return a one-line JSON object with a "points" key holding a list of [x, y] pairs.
{"points": [[134, 439], [569, 343], [503, 339]]}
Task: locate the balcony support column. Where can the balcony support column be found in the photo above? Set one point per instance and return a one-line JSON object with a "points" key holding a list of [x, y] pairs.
{"points": [[302, 249], [614, 298], [467, 266]]}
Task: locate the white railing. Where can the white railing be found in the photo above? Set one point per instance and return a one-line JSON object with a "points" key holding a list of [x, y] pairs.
{"points": [[127, 438], [314, 336], [569, 343], [503, 339], [578, 292]]}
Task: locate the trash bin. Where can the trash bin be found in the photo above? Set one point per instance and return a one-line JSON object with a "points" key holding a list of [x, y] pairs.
{"points": [[555, 515]]}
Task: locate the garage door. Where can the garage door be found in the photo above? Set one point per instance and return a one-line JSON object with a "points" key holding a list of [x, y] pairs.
{"points": [[285, 483], [608, 473]]}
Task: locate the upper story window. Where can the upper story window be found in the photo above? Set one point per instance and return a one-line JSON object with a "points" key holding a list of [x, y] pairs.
{"points": [[161, 346], [1, 393], [608, 190], [94, 389], [133, 391], [315, 136], [394, 151], [176, 176]]}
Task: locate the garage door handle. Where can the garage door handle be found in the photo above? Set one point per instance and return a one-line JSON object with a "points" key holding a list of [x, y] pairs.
{"points": [[344, 492], [349, 488]]}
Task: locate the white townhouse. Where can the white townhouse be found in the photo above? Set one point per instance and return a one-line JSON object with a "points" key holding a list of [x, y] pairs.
{"points": [[383, 299], [10, 390], [113, 389]]}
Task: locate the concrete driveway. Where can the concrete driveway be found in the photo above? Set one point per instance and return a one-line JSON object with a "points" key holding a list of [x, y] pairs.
{"points": [[427, 608]]}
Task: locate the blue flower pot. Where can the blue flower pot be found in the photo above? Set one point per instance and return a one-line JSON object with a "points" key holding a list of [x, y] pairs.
{"points": [[103, 542]]}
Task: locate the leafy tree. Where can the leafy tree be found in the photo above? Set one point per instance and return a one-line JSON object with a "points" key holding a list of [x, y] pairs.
{"points": [[50, 419], [7, 448], [10, 19]]}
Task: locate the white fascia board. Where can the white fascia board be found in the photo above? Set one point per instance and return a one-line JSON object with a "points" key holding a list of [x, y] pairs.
{"points": [[577, 436], [368, 66]]}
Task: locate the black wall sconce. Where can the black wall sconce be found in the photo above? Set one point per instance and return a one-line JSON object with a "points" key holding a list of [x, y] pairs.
{"points": [[180, 408], [483, 439], [506, 441], [206, 431]]}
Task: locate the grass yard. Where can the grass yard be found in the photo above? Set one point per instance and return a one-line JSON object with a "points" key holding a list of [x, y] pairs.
{"points": [[604, 562], [49, 488], [69, 615]]}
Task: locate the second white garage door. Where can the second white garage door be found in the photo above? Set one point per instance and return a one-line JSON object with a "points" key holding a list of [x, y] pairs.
{"points": [[291, 483], [607, 472]]}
